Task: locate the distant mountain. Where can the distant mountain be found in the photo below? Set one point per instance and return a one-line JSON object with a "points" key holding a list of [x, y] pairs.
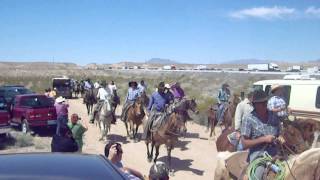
{"points": [[161, 61]]}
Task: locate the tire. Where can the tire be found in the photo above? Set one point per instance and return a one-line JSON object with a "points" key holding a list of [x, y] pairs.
{"points": [[25, 126]]}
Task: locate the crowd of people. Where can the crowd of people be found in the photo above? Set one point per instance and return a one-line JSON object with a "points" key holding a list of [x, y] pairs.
{"points": [[257, 120]]}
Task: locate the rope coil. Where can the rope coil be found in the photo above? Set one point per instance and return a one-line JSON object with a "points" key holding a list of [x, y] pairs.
{"points": [[262, 161]]}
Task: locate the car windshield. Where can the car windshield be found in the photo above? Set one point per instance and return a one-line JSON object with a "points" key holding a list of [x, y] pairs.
{"points": [[23, 91], [36, 102], [3, 104]]}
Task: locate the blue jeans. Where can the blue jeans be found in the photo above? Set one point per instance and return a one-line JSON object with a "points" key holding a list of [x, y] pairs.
{"points": [[61, 121], [221, 112]]}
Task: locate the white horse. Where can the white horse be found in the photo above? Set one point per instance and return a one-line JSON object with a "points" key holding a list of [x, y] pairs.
{"points": [[104, 118]]}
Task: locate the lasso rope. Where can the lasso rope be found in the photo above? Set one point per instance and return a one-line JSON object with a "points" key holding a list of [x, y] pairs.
{"points": [[262, 161]]}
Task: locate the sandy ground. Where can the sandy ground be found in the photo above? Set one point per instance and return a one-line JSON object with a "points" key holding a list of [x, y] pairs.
{"points": [[193, 158]]}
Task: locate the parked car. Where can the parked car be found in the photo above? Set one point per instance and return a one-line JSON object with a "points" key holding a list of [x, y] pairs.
{"points": [[33, 110], [4, 117], [38, 166], [10, 91]]}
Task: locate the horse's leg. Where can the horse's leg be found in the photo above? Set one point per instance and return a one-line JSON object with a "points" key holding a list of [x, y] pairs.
{"points": [[169, 148], [156, 154], [151, 153], [135, 133], [126, 124], [208, 125], [88, 108]]}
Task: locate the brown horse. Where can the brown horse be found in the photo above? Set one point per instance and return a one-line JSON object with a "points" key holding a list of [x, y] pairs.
{"points": [[294, 142], [167, 134], [135, 116], [228, 115], [183, 106], [89, 99], [145, 99]]}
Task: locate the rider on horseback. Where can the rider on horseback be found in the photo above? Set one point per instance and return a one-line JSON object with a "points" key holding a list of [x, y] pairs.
{"points": [[259, 130], [222, 98], [142, 87], [102, 96], [133, 94], [156, 109]]}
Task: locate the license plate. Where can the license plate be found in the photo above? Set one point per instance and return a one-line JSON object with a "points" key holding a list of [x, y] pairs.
{"points": [[52, 122]]}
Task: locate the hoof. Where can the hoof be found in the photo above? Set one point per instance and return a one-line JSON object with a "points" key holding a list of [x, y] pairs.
{"points": [[171, 172], [135, 140], [149, 159]]}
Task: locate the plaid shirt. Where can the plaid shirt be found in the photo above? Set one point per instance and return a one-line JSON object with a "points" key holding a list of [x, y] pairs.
{"points": [[133, 94], [254, 128], [276, 102]]}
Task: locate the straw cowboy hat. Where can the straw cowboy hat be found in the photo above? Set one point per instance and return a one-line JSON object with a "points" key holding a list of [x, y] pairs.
{"points": [[259, 96], [60, 99], [167, 86], [275, 87]]}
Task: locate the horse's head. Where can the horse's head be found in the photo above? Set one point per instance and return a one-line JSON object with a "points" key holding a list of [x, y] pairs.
{"points": [[138, 107], [293, 137], [193, 105]]}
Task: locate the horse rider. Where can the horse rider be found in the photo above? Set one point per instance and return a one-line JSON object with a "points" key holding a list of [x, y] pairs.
{"points": [[277, 104], [243, 109], [222, 98], [168, 93], [87, 84], [102, 96], [177, 91], [112, 87], [259, 130], [156, 109], [142, 87], [132, 95]]}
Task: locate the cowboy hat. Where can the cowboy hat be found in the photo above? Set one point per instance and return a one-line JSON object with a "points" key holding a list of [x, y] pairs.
{"points": [[275, 87], [259, 96], [60, 99], [167, 86], [133, 83]]}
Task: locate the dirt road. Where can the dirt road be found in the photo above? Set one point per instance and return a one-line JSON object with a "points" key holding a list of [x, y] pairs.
{"points": [[193, 158]]}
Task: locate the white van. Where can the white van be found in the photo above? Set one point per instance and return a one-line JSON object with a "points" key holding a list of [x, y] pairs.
{"points": [[302, 95]]}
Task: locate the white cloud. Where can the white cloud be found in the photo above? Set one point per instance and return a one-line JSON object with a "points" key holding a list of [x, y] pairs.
{"points": [[312, 11], [267, 13]]}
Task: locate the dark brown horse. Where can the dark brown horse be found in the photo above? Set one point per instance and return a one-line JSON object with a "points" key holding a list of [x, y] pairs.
{"points": [[183, 106], [134, 117], [89, 99], [167, 134], [228, 115]]}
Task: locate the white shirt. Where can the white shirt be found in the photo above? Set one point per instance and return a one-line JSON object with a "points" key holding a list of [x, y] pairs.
{"points": [[102, 94], [112, 88], [243, 109]]}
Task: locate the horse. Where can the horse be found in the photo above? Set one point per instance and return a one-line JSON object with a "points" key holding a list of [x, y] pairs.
{"points": [[294, 141], [89, 100], [104, 118], [116, 100], [76, 89], [82, 90], [167, 134], [229, 111], [134, 117], [145, 99], [183, 106]]}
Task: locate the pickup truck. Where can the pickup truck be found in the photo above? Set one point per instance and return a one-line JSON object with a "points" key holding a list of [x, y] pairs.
{"points": [[33, 111], [4, 117]]}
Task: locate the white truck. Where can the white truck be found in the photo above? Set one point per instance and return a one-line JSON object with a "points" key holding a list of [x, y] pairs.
{"points": [[295, 68], [263, 67]]}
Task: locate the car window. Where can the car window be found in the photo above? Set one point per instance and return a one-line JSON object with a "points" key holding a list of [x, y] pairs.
{"points": [[23, 91], [267, 89], [3, 104], [318, 98], [257, 87], [36, 102]]}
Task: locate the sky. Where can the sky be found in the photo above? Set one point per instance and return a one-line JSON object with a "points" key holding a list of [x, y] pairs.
{"points": [[187, 31]]}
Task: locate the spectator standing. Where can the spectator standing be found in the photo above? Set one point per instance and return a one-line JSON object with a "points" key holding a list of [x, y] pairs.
{"points": [[78, 130], [62, 113]]}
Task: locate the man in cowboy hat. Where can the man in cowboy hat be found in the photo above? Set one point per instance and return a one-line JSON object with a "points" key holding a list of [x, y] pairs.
{"points": [[156, 109], [276, 103], [258, 130], [102, 96], [132, 95], [168, 92], [222, 99], [62, 113]]}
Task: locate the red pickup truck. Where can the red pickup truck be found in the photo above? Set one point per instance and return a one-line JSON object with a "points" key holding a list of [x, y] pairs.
{"points": [[4, 117], [33, 110]]}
